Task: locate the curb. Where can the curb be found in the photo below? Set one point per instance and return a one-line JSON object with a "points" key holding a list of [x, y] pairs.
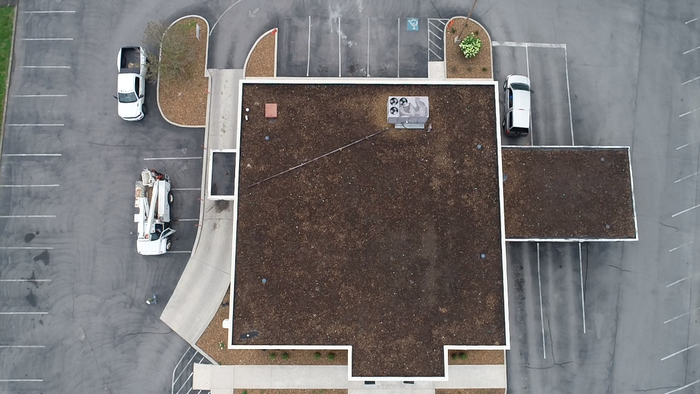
{"points": [[444, 42], [245, 65], [9, 76], [206, 60]]}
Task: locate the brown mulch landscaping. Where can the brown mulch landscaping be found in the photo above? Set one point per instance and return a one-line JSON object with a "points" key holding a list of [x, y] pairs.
{"points": [[470, 391], [261, 62], [476, 357], [457, 65], [184, 101], [377, 246], [567, 193]]}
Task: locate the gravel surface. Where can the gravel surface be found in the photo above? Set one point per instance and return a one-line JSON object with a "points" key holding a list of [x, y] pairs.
{"points": [[457, 65], [262, 59]]}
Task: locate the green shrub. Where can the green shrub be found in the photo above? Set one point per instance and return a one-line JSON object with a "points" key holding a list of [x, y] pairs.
{"points": [[470, 46], [463, 356], [273, 356], [331, 356], [317, 355], [484, 69], [454, 356], [285, 356]]}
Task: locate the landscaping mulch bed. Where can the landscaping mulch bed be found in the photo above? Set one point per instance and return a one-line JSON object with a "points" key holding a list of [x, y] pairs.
{"points": [[184, 100], [470, 391], [380, 245], [457, 65], [567, 193], [476, 357], [261, 62]]}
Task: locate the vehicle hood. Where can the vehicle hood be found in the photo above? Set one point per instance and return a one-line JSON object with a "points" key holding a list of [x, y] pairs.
{"points": [[129, 110], [151, 248]]}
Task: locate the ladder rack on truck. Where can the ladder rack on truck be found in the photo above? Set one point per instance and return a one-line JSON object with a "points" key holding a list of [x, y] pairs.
{"points": [[153, 199]]}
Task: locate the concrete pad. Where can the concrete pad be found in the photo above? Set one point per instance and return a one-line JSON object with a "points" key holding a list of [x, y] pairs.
{"points": [[436, 71], [222, 377], [201, 378], [290, 376], [474, 376], [221, 391], [223, 109]]}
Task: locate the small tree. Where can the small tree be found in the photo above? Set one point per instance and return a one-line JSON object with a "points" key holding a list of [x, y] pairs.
{"points": [[470, 46], [169, 53]]}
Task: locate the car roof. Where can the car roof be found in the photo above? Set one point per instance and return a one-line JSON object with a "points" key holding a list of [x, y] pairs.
{"points": [[521, 108]]}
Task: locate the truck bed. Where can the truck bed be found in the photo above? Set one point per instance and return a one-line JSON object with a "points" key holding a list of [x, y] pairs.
{"points": [[130, 60]]}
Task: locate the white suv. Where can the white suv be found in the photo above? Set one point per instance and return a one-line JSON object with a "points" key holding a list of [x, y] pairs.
{"points": [[516, 103]]}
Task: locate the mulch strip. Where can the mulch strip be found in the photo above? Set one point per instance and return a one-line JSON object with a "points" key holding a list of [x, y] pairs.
{"points": [[184, 101], [380, 245], [456, 64], [261, 63], [476, 357], [567, 193]]}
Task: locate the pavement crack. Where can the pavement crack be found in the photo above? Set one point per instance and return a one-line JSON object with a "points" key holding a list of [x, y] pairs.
{"points": [[436, 9]]}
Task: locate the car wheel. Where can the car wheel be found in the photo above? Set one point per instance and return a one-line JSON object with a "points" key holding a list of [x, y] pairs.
{"points": [[170, 197]]}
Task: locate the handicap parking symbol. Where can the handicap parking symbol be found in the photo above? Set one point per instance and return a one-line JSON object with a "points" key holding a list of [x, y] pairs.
{"points": [[412, 24]]}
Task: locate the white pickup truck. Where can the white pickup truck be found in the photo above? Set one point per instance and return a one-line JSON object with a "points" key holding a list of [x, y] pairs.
{"points": [[131, 83]]}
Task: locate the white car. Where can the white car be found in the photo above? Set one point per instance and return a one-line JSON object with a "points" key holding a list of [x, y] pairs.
{"points": [[516, 106]]}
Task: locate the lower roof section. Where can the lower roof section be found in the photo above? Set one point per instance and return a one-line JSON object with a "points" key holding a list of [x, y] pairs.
{"points": [[568, 194]]}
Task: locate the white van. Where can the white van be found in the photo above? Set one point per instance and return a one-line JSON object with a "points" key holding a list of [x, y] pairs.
{"points": [[516, 106]]}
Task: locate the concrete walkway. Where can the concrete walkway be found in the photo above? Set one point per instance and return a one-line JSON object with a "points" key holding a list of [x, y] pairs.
{"points": [[204, 282], [226, 378]]}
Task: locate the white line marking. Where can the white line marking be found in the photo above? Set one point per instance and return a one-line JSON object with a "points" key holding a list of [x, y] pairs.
{"points": [[688, 113], [340, 62], [441, 21], [186, 220], [568, 96], [438, 37], [691, 21], [527, 64], [678, 352], [222, 15], [678, 247], [689, 81], [47, 12], [684, 211], [48, 39], [308, 49], [527, 44], [172, 158], [682, 146], [583, 301], [368, 36], [22, 346], [677, 282], [25, 280], [684, 387], [434, 43], [38, 95], [679, 316], [47, 67], [398, 47], [28, 217], [179, 251], [438, 56], [24, 313], [28, 185], [687, 176], [691, 50], [35, 124], [539, 282], [20, 380], [185, 188], [26, 247]]}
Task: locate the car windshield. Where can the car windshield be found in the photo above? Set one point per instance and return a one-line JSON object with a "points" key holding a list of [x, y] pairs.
{"points": [[127, 97], [520, 86]]}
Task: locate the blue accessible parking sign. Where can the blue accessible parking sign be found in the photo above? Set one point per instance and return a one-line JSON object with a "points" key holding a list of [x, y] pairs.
{"points": [[412, 24]]}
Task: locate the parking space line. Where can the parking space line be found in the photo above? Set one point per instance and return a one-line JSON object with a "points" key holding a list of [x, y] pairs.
{"points": [[32, 155], [47, 12], [678, 352], [678, 247], [308, 49], [539, 282], [691, 50], [47, 67], [24, 313], [29, 185], [48, 39], [186, 189], [22, 346], [684, 211], [438, 56], [691, 21], [583, 299], [179, 251], [682, 388], [677, 282], [689, 81], [679, 316], [171, 158], [683, 146], [688, 113], [26, 247], [398, 52], [186, 220], [37, 95], [340, 63], [28, 217], [25, 280], [20, 380], [431, 32], [35, 124], [526, 44], [568, 96], [368, 36], [687, 176], [527, 65]]}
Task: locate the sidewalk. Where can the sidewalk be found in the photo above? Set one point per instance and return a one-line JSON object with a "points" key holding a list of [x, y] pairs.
{"points": [[208, 272]]}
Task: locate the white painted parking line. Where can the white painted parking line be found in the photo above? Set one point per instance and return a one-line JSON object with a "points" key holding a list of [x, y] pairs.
{"points": [[568, 96], [37, 95], [29, 185], [25, 280], [22, 346], [172, 158], [527, 65], [678, 352], [433, 52], [47, 67], [47, 12], [179, 251], [308, 49], [691, 21], [684, 211], [691, 50], [678, 247], [431, 32], [20, 380], [679, 316], [686, 177], [677, 282], [583, 299], [683, 146], [32, 155], [35, 124], [48, 39], [28, 217], [527, 44], [24, 313], [398, 52], [539, 283], [186, 189], [689, 81], [340, 63], [688, 113], [26, 247], [186, 220], [684, 387], [368, 36]]}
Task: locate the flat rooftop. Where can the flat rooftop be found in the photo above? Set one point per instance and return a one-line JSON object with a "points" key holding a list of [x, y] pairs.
{"points": [[392, 245], [568, 193]]}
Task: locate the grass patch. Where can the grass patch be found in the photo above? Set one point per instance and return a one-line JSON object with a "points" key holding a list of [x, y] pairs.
{"points": [[7, 15]]}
